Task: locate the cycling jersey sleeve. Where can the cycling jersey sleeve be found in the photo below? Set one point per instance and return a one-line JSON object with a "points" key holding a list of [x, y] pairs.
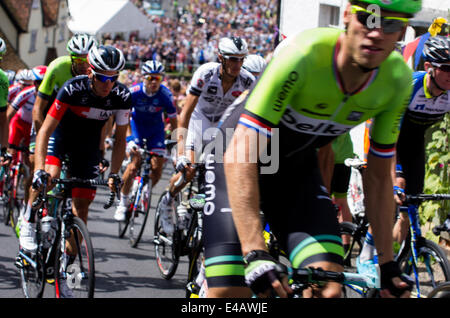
{"points": [[4, 87], [57, 73], [169, 105], [386, 124], [201, 75]]}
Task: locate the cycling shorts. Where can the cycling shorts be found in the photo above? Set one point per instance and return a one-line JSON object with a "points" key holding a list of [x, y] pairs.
{"points": [[302, 218], [84, 160], [19, 131], [411, 156]]}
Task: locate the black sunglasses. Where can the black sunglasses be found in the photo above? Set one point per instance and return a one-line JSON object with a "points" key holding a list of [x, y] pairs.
{"points": [[388, 24], [103, 78], [442, 67]]}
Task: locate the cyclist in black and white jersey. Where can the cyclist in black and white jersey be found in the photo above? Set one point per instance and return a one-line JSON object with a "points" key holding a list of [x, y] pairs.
{"points": [[214, 86], [73, 128]]}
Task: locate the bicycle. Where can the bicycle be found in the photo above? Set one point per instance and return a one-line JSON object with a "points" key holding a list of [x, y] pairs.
{"points": [[356, 229], [56, 226], [440, 291], [139, 208], [418, 256], [187, 236], [14, 189], [302, 278]]}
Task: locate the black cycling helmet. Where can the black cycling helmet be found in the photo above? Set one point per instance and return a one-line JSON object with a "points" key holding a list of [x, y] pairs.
{"points": [[436, 50], [106, 58]]}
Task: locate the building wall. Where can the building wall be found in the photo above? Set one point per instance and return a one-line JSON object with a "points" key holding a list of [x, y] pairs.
{"points": [[34, 44], [8, 28]]}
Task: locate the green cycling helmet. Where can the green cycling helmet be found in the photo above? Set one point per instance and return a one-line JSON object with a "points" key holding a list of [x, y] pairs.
{"points": [[404, 6]]}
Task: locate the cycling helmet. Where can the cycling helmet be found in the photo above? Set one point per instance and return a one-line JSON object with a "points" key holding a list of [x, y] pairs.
{"points": [[81, 44], [106, 58], [2, 47], [254, 63], [25, 75], [39, 72], [404, 6], [436, 49], [233, 45], [152, 67]]}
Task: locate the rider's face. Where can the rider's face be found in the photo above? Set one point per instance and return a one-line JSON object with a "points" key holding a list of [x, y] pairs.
{"points": [[369, 47], [103, 82], [441, 74], [232, 64], [80, 64]]}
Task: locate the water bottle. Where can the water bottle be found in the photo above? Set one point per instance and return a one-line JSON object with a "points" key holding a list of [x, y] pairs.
{"points": [[182, 213], [48, 230]]}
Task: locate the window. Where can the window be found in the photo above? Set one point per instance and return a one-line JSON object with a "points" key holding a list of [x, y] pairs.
{"points": [[62, 30], [47, 36], [328, 15], [33, 41]]}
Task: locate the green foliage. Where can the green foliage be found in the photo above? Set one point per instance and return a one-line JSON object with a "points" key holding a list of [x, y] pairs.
{"points": [[437, 178]]}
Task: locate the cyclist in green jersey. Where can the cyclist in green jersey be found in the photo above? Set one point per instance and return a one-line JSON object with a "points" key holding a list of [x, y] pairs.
{"points": [[4, 85], [320, 84], [59, 71]]}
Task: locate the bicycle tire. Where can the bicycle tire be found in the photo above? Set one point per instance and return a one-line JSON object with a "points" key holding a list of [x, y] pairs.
{"points": [[32, 278], [7, 197], [123, 225], [433, 266], [136, 227], [166, 252], [441, 291], [80, 274]]}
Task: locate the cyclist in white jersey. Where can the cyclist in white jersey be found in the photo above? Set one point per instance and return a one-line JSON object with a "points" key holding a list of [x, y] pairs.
{"points": [[214, 86]]}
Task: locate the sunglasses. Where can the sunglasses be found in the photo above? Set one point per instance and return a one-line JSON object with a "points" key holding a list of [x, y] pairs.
{"points": [[103, 78], [79, 59], [153, 77], [372, 21], [234, 58], [442, 67]]}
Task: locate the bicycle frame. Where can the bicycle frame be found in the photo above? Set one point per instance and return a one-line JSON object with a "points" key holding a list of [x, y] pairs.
{"points": [[415, 232]]}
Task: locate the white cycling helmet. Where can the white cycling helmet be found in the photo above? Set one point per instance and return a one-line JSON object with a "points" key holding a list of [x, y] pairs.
{"points": [[233, 46], [152, 67], [25, 75], [2, 47], [106, 58], [81, 44], [254, 63]]}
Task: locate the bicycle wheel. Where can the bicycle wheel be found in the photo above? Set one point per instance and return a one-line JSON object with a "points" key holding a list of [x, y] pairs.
{"points": [[441, 291], [166, 247], [432, 267], [196, 259], [138, 219], [75, 276], [32, 274], [123, 226], [356, 243]]}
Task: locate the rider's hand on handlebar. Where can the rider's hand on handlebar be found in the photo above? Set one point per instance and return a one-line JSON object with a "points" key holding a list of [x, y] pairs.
{"points": [[399, 192], [40, 178], [182, 163], [265, 275], [393, 282], [114, 183]]}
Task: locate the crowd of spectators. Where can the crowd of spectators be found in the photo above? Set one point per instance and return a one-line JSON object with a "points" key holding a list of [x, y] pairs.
{"points": [[190, 38]]}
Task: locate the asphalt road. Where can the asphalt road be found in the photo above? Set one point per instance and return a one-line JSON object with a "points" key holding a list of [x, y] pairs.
{"points": [[121, 271]]}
